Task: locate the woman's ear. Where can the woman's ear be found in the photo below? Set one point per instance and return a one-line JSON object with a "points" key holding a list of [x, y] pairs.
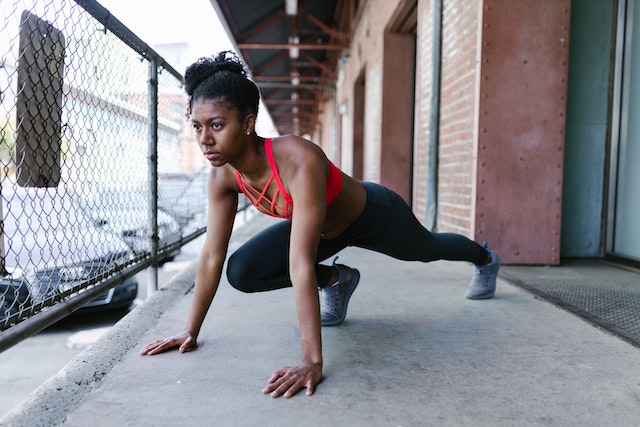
{"points": [[249, 123]]}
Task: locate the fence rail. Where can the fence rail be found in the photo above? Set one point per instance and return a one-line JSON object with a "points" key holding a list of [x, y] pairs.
{"points": [[100, 177]]}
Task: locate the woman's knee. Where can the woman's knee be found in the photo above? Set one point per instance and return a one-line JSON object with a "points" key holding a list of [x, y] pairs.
{"points": [[239, 274]]}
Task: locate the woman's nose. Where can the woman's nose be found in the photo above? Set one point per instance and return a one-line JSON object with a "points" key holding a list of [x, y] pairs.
{"points": [[204, 138]]}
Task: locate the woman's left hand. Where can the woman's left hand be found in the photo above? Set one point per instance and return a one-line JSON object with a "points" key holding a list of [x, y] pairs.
{"points": [[291, 379]]}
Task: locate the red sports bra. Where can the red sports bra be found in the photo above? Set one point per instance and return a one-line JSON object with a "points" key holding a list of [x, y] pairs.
{"points": [[270, 207]]}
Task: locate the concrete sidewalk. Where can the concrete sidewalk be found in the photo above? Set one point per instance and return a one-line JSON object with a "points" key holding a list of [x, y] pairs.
{"points": [[413, 352]]}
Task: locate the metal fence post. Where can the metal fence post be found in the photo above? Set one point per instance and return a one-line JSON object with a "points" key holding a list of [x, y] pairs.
{"points": [[152, 281]]}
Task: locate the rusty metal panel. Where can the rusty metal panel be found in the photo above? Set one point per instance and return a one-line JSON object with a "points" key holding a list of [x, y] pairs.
{"points": [[521, 128]]}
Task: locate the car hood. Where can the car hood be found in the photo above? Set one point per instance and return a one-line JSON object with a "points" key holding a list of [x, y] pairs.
{"points": [[61, 247], [115, 219]]}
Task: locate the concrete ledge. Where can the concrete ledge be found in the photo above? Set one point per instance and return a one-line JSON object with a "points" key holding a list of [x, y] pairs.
{"points": [[61, 394]]}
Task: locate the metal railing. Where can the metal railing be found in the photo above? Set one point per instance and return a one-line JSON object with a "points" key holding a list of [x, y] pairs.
{"points": [[100, 177]]}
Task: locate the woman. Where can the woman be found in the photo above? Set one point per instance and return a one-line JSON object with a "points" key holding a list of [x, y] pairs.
{"points": [[332, 211]]}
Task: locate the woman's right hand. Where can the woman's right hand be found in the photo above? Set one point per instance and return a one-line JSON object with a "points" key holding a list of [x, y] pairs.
{"points": [[184, 341]]}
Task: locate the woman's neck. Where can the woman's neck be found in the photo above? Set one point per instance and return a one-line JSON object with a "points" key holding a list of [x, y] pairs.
{"points": [[254, 164]]}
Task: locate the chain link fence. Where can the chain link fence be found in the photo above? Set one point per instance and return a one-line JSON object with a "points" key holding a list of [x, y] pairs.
{"points": [[100, 176]]}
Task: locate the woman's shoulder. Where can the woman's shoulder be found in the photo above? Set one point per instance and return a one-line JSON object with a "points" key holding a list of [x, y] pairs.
{"points": [[296, 147], [223, 178], [296, 157]]}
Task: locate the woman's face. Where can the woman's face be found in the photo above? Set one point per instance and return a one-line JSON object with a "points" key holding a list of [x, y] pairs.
{"points": [[218, 129]]}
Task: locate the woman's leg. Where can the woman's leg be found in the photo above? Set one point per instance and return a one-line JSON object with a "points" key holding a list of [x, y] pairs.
{"points": [[262, 263], [389, 226]]}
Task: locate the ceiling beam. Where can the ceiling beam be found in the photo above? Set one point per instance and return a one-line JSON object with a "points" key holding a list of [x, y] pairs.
{"points": [[286, 46], [324, 27], [291, 102]]}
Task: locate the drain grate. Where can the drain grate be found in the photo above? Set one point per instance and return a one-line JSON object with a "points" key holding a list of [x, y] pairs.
{"points": [[600, 292]]}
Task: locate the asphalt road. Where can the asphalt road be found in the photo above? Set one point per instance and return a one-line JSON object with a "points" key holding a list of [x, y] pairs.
{"points": [[24, 367]]}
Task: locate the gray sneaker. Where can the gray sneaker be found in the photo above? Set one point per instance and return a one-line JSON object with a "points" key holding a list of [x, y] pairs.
{"points": [[335, 298], [483, 281]]}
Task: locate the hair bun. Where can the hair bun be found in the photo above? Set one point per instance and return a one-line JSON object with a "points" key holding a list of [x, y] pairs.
{"points": [[207, 66]]}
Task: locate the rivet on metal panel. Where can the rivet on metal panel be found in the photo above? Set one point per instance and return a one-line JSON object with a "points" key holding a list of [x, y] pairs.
{"points": [[516, 252]]}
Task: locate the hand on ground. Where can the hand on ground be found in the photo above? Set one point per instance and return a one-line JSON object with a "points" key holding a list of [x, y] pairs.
{"points": [[184, 341], [291, 379]]}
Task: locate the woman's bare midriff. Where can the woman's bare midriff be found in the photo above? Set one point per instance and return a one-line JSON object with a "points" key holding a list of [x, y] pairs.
{"points": [[345, 209]]}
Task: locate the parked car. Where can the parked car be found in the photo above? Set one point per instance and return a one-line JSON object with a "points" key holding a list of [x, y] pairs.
{"points": [[124, 212], [51, 248]]}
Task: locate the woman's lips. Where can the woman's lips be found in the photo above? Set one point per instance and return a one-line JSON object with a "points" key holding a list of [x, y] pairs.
{"points": [[211, 155]]}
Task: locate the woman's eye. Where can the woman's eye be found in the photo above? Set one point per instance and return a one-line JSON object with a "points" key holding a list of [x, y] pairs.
{"points": [[216, 125]]}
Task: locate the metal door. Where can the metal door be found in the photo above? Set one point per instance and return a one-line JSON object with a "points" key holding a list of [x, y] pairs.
{"points": [[624, 207]]}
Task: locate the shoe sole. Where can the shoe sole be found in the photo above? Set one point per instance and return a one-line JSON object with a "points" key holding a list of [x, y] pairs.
{"points": [[487, 296], [354, 284]]}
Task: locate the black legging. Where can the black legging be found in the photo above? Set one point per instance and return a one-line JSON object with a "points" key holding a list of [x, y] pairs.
{"points": [[386, 225]]}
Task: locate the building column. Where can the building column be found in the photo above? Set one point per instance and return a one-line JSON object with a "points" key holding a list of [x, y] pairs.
{"points": [[520, 114]]}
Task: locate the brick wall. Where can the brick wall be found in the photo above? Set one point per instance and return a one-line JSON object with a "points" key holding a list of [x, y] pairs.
{"points": [[457, 116], [502, 109], [364, 56]]}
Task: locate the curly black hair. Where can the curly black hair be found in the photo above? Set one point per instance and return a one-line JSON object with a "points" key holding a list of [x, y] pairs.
{"points": [[222, 77]]}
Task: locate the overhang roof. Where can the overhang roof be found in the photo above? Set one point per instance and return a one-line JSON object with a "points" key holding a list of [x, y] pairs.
{"points": [[269, 33]]}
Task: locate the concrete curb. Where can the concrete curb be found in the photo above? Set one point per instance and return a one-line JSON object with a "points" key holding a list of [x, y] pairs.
{"points": [[51, 403]]}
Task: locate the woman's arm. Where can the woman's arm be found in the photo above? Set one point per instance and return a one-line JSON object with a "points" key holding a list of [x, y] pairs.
{"points": [[304, 173], [222, 206]]}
